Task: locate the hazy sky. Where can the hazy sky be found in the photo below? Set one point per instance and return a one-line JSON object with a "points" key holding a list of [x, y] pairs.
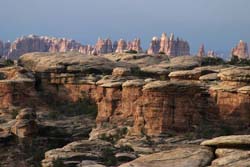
{"points": [[219, 24]]}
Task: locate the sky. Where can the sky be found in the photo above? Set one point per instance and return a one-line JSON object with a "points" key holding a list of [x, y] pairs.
{"points": [[219, 24]]}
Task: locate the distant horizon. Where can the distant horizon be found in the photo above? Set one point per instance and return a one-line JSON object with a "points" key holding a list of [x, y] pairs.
{"points": [[144, 46], [218, 24]]}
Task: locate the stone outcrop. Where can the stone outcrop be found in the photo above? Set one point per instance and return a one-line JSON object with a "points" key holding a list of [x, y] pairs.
{"points": [[169, 46], [230, 150], [241, 50], [180, 157], [201, 51]]}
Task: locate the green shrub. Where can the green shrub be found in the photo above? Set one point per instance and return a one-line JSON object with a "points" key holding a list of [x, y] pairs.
{"points": [[126, 148], [8, 62], [108, 157]]}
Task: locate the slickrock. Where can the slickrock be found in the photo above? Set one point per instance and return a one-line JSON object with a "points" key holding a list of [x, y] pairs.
{"points": [[175, 64], [76, 152], [231, 150], [169, 46], [229, 141], [241, 50], [201, 51], [68, 62], [121, 72], [235, 74], [185, 75], [209, 77], [190, 156], [141, 60]]}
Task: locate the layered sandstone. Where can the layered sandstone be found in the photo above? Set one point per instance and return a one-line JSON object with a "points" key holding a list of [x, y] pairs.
{"points": [[169, 46], [16, 86], [241, 50]]}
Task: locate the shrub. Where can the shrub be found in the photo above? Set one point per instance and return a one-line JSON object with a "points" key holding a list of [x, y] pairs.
{"points": [[108, 157], [212, 61], [8, 62], [131, 52], [14, 113], [58, 163], [162, 53], [240, 62]]}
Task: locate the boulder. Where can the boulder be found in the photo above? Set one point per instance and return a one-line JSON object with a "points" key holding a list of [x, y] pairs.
{"points": [[229, 141], [190, 156]]}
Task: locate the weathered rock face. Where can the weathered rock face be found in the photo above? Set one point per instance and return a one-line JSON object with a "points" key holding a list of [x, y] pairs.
{"points": [[25, 125], [201, 51], [241, 50], [170, 46], [16, 87], [230, 150]]}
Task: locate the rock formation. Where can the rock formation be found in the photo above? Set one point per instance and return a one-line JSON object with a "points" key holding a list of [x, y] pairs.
{"points": [[169, 46], [241, 50], [154, 46], [230, 150], [201, 51], [33, 43], [211, 53], [135, 45], [103, 46], [121, 46]]}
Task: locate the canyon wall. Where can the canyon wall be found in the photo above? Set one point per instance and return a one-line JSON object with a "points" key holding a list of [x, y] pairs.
{"points": [[145, 105]]}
